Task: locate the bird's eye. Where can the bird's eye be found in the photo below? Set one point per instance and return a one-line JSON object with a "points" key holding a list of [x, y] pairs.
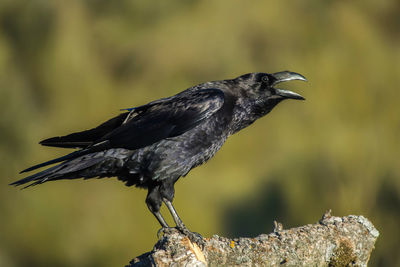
{"points": [[265, 79]]}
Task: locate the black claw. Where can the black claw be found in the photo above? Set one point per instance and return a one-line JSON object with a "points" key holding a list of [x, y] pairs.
{"points": [[193, 236], [163, 230], [159, 232]]}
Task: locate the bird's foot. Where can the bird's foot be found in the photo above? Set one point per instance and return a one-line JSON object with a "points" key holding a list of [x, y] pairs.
{"points": [[193, 236]]}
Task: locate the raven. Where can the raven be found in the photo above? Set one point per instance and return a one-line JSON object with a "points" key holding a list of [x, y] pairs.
{"points": [[153, 145]]}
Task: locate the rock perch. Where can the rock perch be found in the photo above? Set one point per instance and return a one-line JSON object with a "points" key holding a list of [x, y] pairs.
{"points": [[333, 241]]}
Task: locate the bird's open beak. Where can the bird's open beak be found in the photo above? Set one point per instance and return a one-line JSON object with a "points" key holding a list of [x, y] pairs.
{"points": [[285, 76]]}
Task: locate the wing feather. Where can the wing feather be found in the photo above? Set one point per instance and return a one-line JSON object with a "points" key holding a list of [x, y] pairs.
{"points": [[169, 118], [143, 126], [86, 138]]}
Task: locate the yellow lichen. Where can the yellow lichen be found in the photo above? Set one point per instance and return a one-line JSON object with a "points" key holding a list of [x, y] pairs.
{"points": [[343, 255]]}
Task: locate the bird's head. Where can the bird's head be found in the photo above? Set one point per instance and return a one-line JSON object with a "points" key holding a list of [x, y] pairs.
{"points": [[262, 85], [258, 95]]}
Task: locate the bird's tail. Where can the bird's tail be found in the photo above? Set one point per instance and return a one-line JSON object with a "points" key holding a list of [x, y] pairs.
{"points": [[69, 169], [72, 155]]}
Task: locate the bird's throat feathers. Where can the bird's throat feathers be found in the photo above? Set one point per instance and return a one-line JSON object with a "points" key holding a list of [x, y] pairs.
{"points": [[247, 111]]}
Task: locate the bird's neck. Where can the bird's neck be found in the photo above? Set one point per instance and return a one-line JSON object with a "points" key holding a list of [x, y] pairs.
{"points": [[247, 112]]}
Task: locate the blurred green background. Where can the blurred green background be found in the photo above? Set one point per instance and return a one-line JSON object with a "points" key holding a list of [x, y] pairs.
{"points": [[69, 65]]}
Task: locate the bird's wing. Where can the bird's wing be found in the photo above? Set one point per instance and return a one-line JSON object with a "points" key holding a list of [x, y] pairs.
{"points": [[142, 126], [86, 138], [163, 119]]}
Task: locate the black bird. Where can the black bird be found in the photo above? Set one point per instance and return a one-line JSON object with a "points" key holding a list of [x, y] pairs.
{"points": [[153, 145]]}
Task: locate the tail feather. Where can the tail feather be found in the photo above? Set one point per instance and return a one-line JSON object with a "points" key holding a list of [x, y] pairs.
{"points": [[36, 176], [63, 158], [66, 170], [76, 154]]}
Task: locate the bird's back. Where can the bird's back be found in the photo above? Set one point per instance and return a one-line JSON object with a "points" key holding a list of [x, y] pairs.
{"points": [[174, 157]]}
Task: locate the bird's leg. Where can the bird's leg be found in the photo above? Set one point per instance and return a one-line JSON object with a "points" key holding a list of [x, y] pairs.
{"points": [[161, 219], [174, 214], [194, 237], [153, 201]]}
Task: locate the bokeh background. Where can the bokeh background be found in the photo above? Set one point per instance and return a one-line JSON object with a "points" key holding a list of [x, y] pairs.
{"points": [[69, 65]]}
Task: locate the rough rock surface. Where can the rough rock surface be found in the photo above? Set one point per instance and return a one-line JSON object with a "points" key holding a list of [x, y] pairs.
{"points": [[333, 241]]}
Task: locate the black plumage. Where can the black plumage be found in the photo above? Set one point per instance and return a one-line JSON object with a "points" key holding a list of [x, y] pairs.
{"points": [[153, 145]]}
